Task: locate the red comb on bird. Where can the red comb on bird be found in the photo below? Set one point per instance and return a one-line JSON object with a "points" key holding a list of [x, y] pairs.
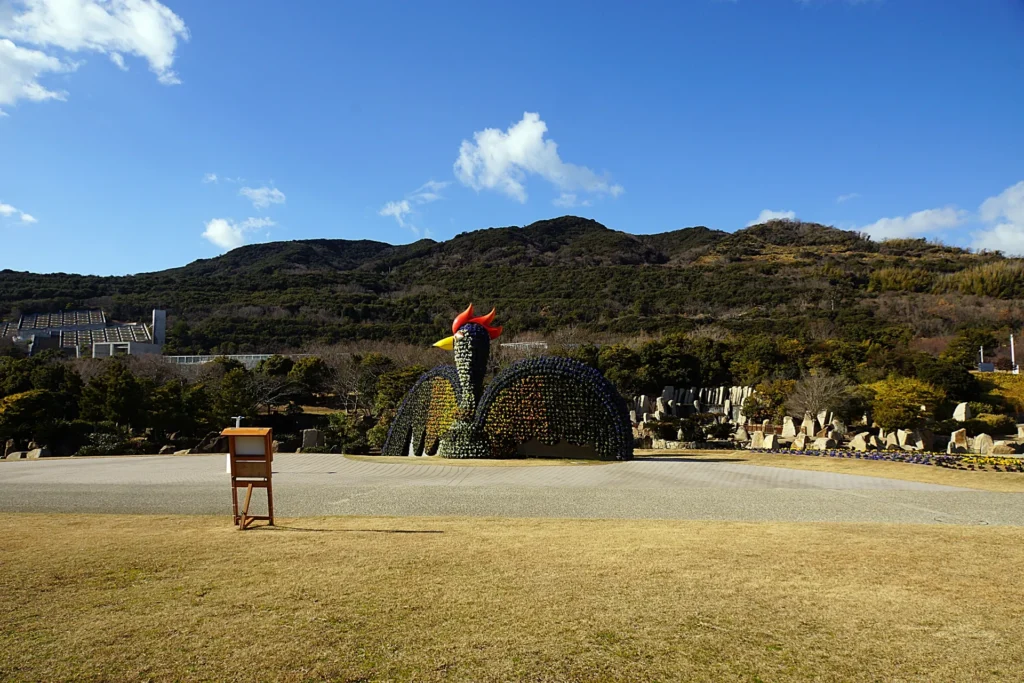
{"points": [[484, 321]]}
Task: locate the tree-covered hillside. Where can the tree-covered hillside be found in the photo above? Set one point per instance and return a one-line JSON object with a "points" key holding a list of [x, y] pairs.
{"points": [[780, 277]]}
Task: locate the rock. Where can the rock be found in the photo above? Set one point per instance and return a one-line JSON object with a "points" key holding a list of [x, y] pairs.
{"points": [[182, 452], [859, 442], [800, 442], [212, 443], [659, 416], [32, 445], [36, 453], [658, 444], [1005, 448], [771, 442], [838, 427], [8, 448], [874, 443], [275, 446], [788, 428], [809, 426], [823, 444], [741, 435], [17, 455], [757, 439], [1020, 432], [741, 420], [660, 405], [632, 416], [166, 450], [824, 432], [312, 439], [823, 417], [957, 442], [962, 413], [982, 444], [892, 441]]}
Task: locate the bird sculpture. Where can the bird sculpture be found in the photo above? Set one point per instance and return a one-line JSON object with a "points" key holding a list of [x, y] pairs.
{"points": [[548, 401]]}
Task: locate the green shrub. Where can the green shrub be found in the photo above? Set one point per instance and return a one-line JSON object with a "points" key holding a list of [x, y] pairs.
{"points": [[997, 424]]}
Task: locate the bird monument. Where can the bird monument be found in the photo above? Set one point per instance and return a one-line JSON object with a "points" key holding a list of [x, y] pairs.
{"points": [[549, 406]]}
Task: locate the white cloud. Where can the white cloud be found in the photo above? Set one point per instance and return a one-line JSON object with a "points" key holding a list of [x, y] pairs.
{"points": [[262, 197], [142, 28], [426, 193], [847, 197], [227, 234], [498, 160], [210, 178], [6, 211], [20, 70], [567, 200], [399, 210], [916, 224], [1006, 211], [769, 215]]}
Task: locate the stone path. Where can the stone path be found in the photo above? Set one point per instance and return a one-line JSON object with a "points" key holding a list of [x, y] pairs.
{"points": [[315, 484]]}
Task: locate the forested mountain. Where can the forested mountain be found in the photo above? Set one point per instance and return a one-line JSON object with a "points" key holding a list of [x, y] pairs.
{"points": [[779, 277]]}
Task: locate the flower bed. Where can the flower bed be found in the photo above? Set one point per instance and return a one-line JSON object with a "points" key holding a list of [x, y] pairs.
{"points": [[953, 461]]}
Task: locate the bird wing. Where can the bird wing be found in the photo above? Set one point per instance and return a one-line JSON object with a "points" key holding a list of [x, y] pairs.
{"points": [[426, 413], [555, 400]]}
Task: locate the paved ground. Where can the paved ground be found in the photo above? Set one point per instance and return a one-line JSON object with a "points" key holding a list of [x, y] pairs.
{"points": [[313, 484]]}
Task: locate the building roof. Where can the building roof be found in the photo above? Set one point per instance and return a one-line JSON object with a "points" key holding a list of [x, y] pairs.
{"points": [[8, 329], [62, 319], [116, 333]]}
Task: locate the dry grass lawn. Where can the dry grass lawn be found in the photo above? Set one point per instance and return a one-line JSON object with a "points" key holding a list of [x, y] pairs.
{"points": [[1004, 482], [186, 598]]}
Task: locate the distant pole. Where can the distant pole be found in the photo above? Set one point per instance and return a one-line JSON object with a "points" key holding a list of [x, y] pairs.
{"points": [[982, 352], [238, 420], [1013, 357]]}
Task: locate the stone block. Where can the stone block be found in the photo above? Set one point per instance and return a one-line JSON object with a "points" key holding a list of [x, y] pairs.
{"points": [[892, 441], [17, 455], [859, 442], [313, 439], [957, 442], [982, 444], [823, 444], [771, 442], [788, 427], [962, 413], [184, 451], [741, 435], [838, 427], [800, 442], [8, 448], [1020, 432], [166, 450], [809, 426], [1005, 448], [757, 439], [37, 453]]}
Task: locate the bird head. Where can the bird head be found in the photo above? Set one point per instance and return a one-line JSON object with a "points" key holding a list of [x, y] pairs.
{"points": [[466, 327]]}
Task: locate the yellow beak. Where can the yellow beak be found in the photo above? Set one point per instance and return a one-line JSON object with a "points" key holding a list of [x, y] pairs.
{"points": [[448, 343]]}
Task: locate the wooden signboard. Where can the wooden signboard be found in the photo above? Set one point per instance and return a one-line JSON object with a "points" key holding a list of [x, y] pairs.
{"points": [[251, 461]]}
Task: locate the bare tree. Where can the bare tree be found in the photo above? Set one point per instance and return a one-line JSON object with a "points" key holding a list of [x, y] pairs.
{"points": [[814, 393]]}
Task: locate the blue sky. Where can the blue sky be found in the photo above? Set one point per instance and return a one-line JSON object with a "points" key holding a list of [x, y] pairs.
{"points": [[395, 120]]}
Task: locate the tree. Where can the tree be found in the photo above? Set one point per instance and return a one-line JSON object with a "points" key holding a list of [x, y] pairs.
{"points": [[620, 365], [312, 374], [815, 393], [26, 415], [177, 407], [392, 387], [114, 395], [903, 402], [965, 347], [275, 366], [768, 402]]}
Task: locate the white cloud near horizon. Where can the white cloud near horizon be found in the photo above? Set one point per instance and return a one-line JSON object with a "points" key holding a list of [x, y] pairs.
{"points": [[37, 38], [227, 234], [210, 178], [1005, 215], [7, 210], [916, 224], [502, 160], [769, 215], [401, 209], [843, 198], [263, 197]]}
